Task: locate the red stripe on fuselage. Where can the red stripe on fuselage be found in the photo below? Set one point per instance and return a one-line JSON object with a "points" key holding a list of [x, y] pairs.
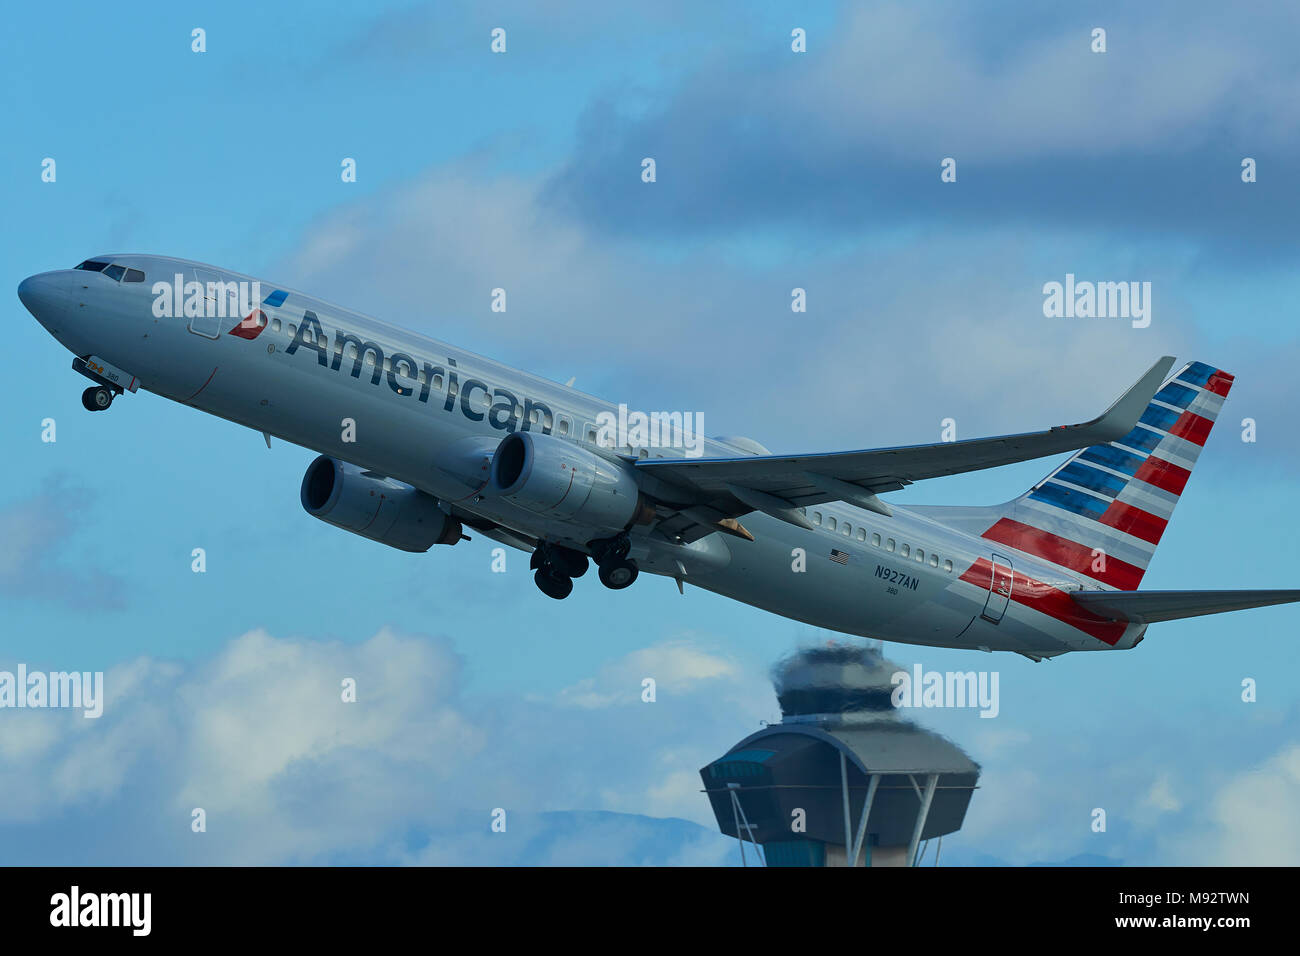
{"points": [[1049, 600], [1066, 553]]}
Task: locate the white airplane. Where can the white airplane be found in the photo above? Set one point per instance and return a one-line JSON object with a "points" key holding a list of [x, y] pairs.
{"points": [[442, 440]]}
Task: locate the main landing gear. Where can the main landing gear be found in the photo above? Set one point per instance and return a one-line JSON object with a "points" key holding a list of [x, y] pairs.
{"points": [[556, 566], [97, 398], [613, 567]]}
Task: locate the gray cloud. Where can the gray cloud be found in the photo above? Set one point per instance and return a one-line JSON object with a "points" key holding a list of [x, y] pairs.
{"points": [[40, 535], [1147, 137]]}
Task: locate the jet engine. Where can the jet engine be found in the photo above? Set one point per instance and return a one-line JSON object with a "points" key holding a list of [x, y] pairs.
{"points": [[375, 507], [560, 479]]}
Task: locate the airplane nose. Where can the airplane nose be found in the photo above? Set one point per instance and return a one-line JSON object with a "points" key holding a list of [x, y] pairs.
{"points": [[38, 293]]}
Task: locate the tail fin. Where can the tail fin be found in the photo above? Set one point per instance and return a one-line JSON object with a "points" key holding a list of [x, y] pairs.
{"points": [[1102, 513]]}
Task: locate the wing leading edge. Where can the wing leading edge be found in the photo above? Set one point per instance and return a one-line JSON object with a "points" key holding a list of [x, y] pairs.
{"points": [[716, 489]]}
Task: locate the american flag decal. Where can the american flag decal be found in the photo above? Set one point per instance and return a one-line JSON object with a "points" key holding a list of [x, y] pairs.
{"points": [[839, 557]]}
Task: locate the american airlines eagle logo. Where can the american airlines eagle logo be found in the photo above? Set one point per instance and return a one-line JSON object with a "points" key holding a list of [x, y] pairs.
{"points": [[251, 326]]}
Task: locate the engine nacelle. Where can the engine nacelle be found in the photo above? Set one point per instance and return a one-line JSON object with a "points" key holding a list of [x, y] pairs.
{"points": [[375, 507], [560, 479]]}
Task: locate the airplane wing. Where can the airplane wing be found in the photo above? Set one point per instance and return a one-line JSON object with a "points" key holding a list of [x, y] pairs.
{"points": [[710, 493], [1153, 606]]}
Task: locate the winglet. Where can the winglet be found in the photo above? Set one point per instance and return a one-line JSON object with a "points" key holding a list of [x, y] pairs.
{"points": [[1121, 418]]}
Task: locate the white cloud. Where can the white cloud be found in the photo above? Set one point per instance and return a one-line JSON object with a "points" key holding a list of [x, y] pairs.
{"points": [[674, 666], [260, 739], [997, 742], [1161, 796], [1254, 815]]}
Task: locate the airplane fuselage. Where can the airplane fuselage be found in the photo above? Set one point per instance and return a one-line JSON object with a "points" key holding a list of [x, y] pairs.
{"points": [[428, 414]]}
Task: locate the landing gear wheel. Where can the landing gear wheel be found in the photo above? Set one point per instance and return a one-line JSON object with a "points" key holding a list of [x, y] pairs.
{"points": [[558, 559], [97, 398], [572, 563], [618, 573], [553, 585], [610, 549]]}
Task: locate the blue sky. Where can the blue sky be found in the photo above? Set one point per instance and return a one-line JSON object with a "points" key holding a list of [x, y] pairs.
{"points": [[521, 170]]}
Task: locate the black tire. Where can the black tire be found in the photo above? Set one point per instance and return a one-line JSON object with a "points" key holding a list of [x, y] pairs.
{"points": [[559, 559], [618, 574], [97, 398], [573, 563], [553, 585]]}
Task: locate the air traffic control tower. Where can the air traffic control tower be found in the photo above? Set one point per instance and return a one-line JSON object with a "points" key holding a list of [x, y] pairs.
{"points": [[842, 780]]}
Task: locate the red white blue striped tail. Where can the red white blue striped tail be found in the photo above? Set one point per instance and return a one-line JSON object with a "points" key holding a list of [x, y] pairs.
{"points": [[1102, 513]]}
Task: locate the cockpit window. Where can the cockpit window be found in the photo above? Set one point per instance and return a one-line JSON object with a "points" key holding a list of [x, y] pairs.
{"points": [[115, 272], [134, 275], [93, 265]]}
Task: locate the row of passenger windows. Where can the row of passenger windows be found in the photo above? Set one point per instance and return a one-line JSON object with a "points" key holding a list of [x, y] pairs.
{"points": [[115, 272], [888, 544]]}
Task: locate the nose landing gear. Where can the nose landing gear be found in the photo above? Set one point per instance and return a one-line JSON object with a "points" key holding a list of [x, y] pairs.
{"points": [[109, 380], [97, 398]]}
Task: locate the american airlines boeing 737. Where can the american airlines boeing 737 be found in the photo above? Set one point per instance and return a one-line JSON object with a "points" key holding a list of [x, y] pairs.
{"points": [[442, 440]]}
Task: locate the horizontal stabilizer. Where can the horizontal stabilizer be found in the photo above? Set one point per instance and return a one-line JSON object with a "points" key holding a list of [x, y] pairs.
{"points": [[1153, 606]]}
